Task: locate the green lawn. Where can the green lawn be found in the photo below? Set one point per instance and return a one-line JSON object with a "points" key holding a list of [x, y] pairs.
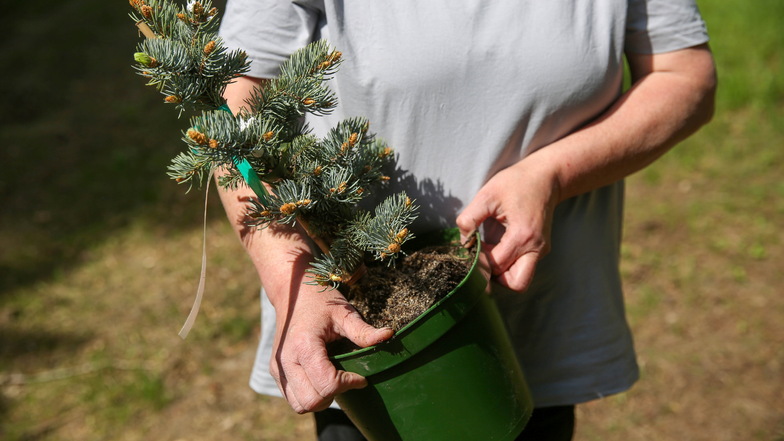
{"points": [[100, 254]]}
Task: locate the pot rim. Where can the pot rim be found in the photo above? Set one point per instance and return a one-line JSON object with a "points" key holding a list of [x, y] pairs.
{"points": [[423, 330]]}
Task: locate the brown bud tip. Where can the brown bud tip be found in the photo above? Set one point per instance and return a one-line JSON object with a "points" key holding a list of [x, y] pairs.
{"points": [[353, 139], [213, 143], [335, 278], [402, 234], [267, 136], [288, 208], [146, 11], [173, 99], [182, 17], [197, 136], [209, 47], [308, 101], [317, 170], [394, 248]]}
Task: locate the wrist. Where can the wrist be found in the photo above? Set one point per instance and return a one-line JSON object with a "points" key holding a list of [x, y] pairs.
{"points": [[544, 170]]}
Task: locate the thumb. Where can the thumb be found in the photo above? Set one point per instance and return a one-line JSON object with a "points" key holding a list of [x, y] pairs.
{"points": [[362, 334]]}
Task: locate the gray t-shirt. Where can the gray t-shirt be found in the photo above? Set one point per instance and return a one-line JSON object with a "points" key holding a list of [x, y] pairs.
{"points": [[463, 89]]}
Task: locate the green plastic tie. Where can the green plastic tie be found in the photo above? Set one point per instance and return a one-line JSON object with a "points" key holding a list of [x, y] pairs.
{"points": [[247, 172]]}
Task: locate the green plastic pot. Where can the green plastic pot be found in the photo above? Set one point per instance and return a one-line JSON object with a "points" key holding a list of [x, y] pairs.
{"points": [[449, 375]]}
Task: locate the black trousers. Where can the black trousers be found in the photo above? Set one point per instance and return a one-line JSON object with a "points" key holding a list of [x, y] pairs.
{"points": [[546, 424]]}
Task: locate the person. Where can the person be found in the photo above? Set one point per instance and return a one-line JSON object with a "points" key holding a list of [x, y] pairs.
{"points": [[506, 115]]}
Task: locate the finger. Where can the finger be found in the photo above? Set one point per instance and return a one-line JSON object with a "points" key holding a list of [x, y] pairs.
{"points": [[359, 332], [503, 255], [293, 381], [284, 385], [514, 244], [519, 276], [325, 381], [311, 384]]}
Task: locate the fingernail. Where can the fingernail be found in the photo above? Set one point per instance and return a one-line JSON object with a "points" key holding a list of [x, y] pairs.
{"points": [[387, 333]]}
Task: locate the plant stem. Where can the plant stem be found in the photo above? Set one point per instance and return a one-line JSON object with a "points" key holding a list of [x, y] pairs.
{"points": [[324, 247], [322, 244]]}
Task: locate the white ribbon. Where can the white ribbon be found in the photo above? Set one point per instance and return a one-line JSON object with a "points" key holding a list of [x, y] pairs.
{"points": [[186, 328]]}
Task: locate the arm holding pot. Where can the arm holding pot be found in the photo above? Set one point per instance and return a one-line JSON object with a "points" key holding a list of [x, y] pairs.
{"points": [[307, 318], [671, 97]]}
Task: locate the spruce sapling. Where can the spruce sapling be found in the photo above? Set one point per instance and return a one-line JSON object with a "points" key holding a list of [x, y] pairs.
{"points": [[299, 179]]}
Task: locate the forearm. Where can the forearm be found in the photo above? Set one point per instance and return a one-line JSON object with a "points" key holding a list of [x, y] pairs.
{"points": [[306, 318], [280, 253], [670, 99]]}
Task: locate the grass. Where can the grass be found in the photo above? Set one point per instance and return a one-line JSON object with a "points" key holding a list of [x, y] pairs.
{"points": [[702, 258], [99, 255]]}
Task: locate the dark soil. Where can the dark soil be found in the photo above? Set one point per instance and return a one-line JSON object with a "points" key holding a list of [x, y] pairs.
{"points": [[394, 296]]}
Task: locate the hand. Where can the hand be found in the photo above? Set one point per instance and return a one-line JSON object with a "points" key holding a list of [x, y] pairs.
{"points": [[300, 365], [306, 318], [522, 199]]}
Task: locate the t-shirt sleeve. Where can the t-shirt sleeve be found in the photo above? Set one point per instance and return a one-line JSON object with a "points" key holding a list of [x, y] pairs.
{"points": [[657, 26], [269, 31]]}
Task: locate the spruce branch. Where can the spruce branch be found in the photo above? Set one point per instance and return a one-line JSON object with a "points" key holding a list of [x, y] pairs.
{"points": [[384, 233], [186, 61], [316, 183]]}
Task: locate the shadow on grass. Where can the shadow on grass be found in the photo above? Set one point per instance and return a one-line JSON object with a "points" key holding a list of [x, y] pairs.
{"points": [[39, 351], [16, 344], [84, 143]]}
